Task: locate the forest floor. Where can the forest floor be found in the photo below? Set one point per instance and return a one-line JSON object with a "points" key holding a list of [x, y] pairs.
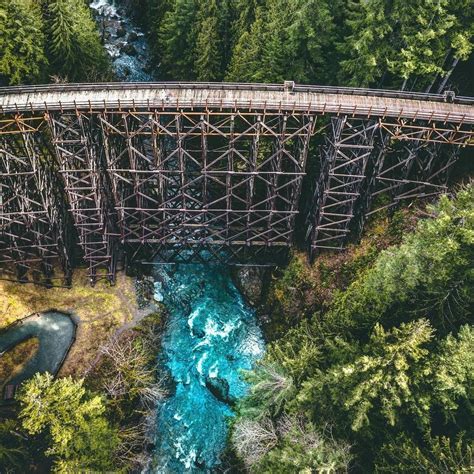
{"points": [[100, 312]]}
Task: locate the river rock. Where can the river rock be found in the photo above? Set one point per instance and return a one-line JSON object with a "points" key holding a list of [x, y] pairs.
{"points": [[220, 389], [121, 31], [250, 282], [132, 36], [128, 49], [144, 289]]}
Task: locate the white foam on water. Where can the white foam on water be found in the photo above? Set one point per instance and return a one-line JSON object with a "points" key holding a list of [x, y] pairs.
{"points": [[201, 362], [252, 345], [104, 7], [192, 317], [213, 370], [190, 459], [212, 328], [157, 293]]}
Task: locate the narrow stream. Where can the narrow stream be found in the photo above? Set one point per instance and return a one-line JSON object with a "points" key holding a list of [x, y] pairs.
{"points": [[124, 42], [212, 334]]}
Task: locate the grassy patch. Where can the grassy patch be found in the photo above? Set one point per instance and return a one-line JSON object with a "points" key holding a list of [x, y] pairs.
{"points": [[300, 290], [99, 310]]}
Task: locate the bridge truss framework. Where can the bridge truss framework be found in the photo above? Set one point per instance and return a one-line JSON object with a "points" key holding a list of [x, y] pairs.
{"points": [[201, 183]]}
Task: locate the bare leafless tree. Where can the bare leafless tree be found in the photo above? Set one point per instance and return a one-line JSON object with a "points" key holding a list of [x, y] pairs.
{"points": [[253, 439], [131, 374]]}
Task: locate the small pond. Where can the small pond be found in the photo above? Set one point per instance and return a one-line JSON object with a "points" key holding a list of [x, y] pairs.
{"points": [[55, 332]]}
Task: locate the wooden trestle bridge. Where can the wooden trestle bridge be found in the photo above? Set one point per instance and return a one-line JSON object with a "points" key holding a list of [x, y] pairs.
{"points": [[100, 173]]}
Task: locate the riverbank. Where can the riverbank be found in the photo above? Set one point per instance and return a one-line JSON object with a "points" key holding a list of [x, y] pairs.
{"points": [[99, 312]]}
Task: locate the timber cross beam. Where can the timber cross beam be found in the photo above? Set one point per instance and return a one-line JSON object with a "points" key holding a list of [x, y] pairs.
{"points": [[186, 172]]}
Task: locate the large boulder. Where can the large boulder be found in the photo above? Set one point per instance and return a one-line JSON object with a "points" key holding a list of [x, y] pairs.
{"points": [[132, 36], [121, 31], [220, 389], [250, 281]]}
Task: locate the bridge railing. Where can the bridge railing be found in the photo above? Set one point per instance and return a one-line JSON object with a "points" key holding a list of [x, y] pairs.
{"points": [[316, 89]]}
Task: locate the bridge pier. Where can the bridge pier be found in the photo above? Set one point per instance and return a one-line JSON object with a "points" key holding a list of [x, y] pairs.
{"points": [[33, 237], [74, 140], [203, 184], [411, 170], [363, 169], [343, 161]]}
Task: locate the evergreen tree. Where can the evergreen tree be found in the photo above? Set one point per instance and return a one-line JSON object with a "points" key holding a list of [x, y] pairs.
{"points": [[430, 273], [22, 56], [73, 421], [13, 452], [371, 367], [244, 16], [285, 41], [403, 44], [382, 384], [209, 47], [453, 371], [254, 59], [368, 42], [75, 50], [428, 31], [177, 39], [311, 37], [438, 454], [270, 389]]}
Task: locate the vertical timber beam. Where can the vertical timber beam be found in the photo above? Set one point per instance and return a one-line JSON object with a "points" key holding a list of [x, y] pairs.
{"points": [[72, 138], [32, 228], [344, 158], [411, 170]]}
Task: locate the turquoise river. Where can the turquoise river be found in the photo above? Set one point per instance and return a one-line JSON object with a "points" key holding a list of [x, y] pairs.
{"points": [[211, 336]]}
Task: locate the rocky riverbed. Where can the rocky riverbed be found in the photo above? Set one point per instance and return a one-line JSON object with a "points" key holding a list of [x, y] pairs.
{"points": [[123, 41]]}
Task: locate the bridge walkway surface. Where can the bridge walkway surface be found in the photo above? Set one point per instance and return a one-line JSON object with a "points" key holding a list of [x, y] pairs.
{"points": [[310, 99]]}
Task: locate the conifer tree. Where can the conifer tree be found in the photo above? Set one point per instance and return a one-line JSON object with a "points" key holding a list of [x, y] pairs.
{"points": [[177, 39], [384, 383], [244, 16], [311, 37], [285, 41], [453, 371], [249, 61], [368, 42], [430, 273], [74, 48], [436, 454], [73, 421], [22, 56], [403, 44], [209, 61]]}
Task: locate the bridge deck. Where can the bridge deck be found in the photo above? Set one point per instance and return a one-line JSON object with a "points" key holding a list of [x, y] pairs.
{"points": [[313, 99]]}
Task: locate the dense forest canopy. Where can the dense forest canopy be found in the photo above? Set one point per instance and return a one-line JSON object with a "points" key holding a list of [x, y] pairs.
{"points": [[386, 368], [376, 43], [49, 40]]}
